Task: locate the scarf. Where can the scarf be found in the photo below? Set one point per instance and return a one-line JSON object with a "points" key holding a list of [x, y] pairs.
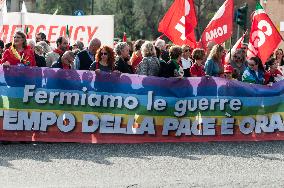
{"points": [[22, 59], [58, 51]]}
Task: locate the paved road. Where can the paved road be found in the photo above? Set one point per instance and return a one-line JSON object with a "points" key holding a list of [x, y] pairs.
{"points": [[167, 165]]}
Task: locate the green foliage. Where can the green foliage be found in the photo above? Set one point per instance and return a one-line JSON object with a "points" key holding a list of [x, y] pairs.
{"points": [[65, 7], [138, 18]]}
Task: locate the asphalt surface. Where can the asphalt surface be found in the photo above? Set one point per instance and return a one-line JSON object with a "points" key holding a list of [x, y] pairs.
{"points": [[224, 164]]}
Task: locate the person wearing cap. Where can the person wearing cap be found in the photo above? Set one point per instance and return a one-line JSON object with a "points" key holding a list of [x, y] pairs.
{"points": [[228, 72]]}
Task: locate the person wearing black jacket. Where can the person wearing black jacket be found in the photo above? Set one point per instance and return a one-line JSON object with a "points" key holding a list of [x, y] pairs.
{"points": [[40, 60], [85, 58], [123, 64]]}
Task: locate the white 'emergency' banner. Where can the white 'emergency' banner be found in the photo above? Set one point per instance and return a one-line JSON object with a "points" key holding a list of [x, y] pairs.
{"points": [[82, 28]]}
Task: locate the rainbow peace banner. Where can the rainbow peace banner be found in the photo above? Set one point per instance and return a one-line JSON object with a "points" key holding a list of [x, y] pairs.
{"points": [[55, 105]]}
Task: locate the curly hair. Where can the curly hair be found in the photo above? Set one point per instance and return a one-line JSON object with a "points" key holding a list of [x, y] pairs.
{"points": [[175, 52], [240, 53], [110, 52], [119, 47], [45, 46], [198, 54], [216, 52], [148, 49]]}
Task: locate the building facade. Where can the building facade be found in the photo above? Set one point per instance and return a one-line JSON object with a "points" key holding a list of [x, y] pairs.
{"points": [[274, 9], [16, 5]]}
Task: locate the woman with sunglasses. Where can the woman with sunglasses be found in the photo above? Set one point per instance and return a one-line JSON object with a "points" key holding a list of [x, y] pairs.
{"points": [[186, 60], [254, 73], [104, 60], [239, 63], [18, 53]]}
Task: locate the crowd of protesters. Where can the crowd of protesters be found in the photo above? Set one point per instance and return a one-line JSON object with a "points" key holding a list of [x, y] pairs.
{"points": [[150, 58]]}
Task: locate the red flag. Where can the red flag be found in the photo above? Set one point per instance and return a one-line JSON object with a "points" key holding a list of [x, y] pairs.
{"points": [[238, 45], [220, 28], [124, 38], [178, 24], [264, 37]]}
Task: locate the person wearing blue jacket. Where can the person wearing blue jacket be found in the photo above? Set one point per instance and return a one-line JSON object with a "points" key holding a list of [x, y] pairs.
{"points": [[254, 73], [213, 65]]}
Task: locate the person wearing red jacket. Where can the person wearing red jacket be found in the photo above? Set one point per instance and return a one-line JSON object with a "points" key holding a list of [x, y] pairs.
{"points": [[19, 53], [273, 74], [197, 69]]}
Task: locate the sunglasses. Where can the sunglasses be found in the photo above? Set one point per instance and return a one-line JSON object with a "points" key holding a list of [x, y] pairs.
{"points": [[251, 65], [104, 53]]}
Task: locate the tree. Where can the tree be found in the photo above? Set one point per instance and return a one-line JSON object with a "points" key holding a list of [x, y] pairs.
{"points": [[64, 7], [138, 18]]}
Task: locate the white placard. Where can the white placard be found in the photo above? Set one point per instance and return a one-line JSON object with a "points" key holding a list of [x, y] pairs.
{"points": [[281, 26], [82, 28]]}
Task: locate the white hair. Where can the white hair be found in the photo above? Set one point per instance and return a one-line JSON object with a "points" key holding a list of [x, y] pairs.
{"points": [[119, 47], [160, 43], [31, 43], [148, 49], [45, 46]]}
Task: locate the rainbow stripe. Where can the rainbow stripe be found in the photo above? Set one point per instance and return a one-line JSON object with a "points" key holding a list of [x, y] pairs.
{"points": [[256, 100]]}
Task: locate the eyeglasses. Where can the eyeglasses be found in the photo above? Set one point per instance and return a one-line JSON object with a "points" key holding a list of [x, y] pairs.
{"points": [[104, 53], [187, 50]]}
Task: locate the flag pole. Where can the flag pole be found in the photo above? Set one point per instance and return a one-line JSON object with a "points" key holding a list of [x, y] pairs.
{"points": [[230, 50], [238, 32]]}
